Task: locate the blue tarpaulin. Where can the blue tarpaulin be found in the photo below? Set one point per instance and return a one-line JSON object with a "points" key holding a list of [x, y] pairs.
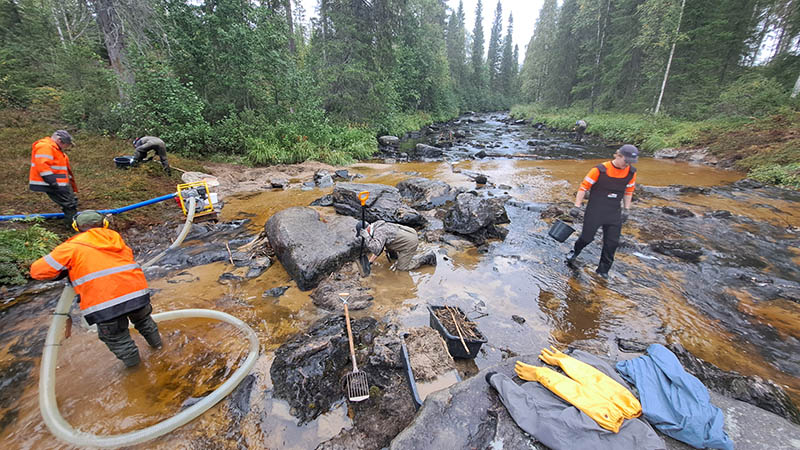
{"points": [[674, 401]]}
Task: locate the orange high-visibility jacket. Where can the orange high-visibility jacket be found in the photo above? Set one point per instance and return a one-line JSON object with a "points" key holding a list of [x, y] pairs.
{"points": [[50, 169], [102, 271]]}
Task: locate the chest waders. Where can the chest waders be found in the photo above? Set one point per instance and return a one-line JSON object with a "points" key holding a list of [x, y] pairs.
{"points": [[604, 210]]}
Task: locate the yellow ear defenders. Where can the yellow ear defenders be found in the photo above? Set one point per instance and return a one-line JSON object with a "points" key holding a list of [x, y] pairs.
{"points": [[88, 211]]}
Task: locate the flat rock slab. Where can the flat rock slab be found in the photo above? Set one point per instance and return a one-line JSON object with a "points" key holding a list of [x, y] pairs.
{"points": [[470, 415], [425, 194], [309, 248]]}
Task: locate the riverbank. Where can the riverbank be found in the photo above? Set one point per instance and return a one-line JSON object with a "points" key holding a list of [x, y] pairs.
{"points": [[767, 148]]}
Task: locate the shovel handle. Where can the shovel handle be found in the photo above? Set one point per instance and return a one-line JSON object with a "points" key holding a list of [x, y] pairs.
{"points": [[362, 197], [349, 332]]}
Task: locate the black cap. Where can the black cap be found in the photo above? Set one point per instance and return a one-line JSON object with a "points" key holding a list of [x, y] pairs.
{"points": [[630, 152]]}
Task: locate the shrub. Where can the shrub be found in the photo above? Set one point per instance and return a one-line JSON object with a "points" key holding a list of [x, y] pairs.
{"points": [[752, 95], [781, 175], [160, 105], [19, 248]]}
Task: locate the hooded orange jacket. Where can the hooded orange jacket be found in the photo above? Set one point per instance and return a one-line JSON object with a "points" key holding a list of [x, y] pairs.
{"points": [[50, 169], [102, 271]]}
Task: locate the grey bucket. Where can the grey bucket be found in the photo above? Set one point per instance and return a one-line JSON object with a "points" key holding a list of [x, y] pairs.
{"points": [[560, 231], [123, 162]]}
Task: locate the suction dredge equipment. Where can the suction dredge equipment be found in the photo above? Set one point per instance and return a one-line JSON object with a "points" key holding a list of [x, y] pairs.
{"points": [[195, 200]]}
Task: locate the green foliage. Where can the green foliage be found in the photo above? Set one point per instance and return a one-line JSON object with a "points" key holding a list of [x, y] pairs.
{"points": [[159, 105], [90, 89], [19, 248], [753, 95], [780, 175]]}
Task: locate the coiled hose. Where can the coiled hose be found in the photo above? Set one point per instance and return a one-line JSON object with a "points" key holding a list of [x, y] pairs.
{"points": [[47, 373]]}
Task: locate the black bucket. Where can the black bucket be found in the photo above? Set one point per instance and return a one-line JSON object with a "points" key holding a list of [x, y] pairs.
{"points": [[560, 231], [123, 162]]}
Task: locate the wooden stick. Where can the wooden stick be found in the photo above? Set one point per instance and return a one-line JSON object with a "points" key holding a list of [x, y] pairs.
{"points": [[179, 169], [458, 329], [230, 256]]}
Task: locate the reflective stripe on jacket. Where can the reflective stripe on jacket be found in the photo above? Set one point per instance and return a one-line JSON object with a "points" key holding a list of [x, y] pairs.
{"points": [[102, 270], [50, 169]]}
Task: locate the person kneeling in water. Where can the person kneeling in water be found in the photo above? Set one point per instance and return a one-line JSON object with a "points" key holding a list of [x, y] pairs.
{"points": [[398, 239]]}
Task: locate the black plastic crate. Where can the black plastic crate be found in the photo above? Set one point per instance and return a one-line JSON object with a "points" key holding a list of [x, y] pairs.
{"points": [[454, 345]]}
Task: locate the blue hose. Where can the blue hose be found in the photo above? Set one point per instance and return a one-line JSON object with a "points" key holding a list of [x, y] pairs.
{"points": [[103, 211]]}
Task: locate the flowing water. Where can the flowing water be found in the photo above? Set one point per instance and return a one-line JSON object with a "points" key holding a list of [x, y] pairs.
{"points": [[650, 298]]}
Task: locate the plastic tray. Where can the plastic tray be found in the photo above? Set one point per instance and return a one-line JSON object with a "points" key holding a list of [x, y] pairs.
{"points": [[412, 382], [454, 345]]}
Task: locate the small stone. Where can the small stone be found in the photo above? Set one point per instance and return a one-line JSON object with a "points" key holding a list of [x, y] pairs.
{"points": [[275, 292], [519, 319]]}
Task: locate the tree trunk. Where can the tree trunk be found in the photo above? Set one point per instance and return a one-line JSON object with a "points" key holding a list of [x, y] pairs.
{"points": [[58, 25], [796, 89], [287, 5], [601, 35], [669, 61], [110, 25]]}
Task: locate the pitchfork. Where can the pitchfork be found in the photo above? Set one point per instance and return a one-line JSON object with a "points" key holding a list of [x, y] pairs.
{"points": [[356, 381]]}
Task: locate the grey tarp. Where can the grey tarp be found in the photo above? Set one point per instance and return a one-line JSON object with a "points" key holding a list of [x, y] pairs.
{"points": [[559, 425]]}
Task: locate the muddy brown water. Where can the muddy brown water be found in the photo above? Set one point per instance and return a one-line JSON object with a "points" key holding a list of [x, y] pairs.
{"points": [[646, 300]]}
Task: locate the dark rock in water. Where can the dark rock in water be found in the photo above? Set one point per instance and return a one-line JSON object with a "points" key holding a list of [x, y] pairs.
{"points": [[519, 319], [425, 194], [257, 269], [384, 203], [343, 174], [325, 200], [677, 212], [275, 292], [239, 401], [754, 390], [428, 151], [392, 141], [309, 248], [631, 346], [326, 295], [685, 250], [476, 217], [694, 190], [721, 214], [748, 183], [307, 368], [325, 181], [15, 376], [278, 183], [481, 179], [481, 154], [228, 276]]}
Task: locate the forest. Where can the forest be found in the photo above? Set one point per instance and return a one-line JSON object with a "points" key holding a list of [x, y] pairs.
{"points": [[258, 82]]}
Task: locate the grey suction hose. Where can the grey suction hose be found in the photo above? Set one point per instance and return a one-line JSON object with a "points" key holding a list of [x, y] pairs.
{"points": [[47, 374]]}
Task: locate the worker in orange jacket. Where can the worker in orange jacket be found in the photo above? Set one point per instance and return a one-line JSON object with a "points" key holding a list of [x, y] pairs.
{"points": [[51, 173], [111, 286], [610, 184]]}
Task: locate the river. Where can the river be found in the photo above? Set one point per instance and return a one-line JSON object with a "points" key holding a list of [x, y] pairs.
{"points": [[736, 308]]}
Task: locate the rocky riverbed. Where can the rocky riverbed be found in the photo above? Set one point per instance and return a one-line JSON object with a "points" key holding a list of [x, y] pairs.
{"points": [[708, 262]]}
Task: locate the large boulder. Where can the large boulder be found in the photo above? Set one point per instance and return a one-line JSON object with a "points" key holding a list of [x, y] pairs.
{"points": [[425, 194], [392, 141], [384, 203], [476, 216], [308, 367], [428, 151], [309, 248]]}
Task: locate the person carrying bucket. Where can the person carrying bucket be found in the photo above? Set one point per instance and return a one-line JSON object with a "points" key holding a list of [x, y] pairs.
{"points": [[609, 184], [110, 285]]}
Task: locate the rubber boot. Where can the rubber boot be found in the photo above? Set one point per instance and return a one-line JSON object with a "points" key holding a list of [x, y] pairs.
{"points": [[149, 330], [120, 343], [572, 258]]}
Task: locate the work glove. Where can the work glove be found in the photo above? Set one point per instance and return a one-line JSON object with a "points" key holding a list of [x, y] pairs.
{"points": [[624, 215], [575, 212], [528, 372], [551, 356]]}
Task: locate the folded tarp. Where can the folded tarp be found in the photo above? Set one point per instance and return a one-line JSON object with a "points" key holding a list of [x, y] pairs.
{"points": [[561, 426], [674, 401]]}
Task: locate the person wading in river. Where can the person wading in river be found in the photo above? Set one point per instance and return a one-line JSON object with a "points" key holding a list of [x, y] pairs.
{"points": [[111, 287], [609, 184], [398, 240], [580, 128]]}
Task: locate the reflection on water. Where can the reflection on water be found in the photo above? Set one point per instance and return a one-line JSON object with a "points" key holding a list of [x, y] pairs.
{"points": [[523, 276], [443, 381]]}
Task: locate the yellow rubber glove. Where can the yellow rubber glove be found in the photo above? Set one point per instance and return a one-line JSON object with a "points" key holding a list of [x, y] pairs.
{"points": [[595, 380], [586, 399]]}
